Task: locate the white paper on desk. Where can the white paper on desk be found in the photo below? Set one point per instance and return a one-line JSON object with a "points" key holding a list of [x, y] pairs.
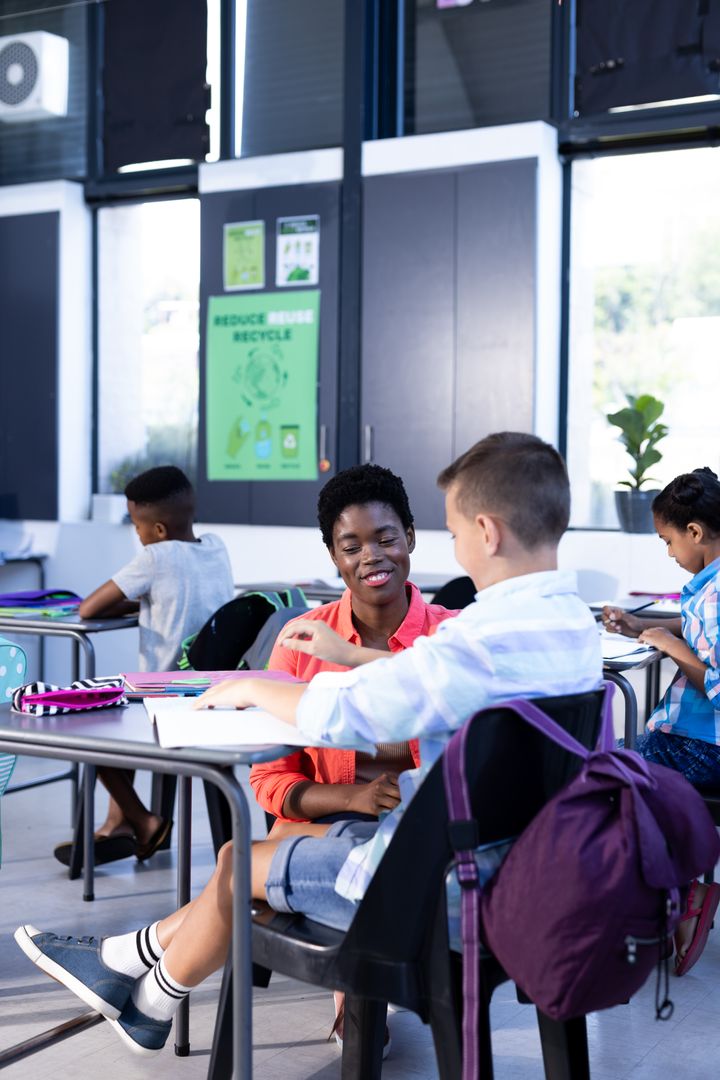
{"points": [[178, 724], [619, 647]]}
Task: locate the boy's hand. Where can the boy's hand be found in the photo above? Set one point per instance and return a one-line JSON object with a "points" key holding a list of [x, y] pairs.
{"points": [[237, 692], [381, 794], [617, 621], [315, 638]]}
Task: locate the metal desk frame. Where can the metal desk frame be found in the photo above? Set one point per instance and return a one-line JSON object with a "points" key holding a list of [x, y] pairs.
{"points": [[214, 765], [613, 671], [78, 631]]}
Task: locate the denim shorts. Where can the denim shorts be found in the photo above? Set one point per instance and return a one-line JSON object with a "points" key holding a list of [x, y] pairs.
{"points": [[698, 761], [304, 870]]}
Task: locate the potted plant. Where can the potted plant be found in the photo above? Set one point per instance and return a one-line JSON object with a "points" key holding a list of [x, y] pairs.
{"points": [[641, 431]]}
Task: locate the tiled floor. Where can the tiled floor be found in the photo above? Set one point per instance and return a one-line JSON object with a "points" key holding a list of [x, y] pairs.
{"points": [[291, 1021]]}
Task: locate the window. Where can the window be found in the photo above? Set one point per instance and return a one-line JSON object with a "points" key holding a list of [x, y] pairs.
{"points": [[644, 315], [289, 65], [43, 149], [477, 64], [149, 270]]}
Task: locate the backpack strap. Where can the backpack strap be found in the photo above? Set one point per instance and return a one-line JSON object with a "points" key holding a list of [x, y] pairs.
{"points": [[536, 718], [294, 597], [185, 646], [273, 598], [463, 835]]}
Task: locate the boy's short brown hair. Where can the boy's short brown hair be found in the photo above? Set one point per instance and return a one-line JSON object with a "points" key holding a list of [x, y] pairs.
{"points": [[518, 478]]}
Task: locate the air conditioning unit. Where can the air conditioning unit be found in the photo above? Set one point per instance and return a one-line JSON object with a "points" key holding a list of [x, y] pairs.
{"points": [[33, 77]]}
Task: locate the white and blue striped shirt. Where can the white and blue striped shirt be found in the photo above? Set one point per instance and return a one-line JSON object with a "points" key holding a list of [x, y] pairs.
{"points": [[528, 636]]}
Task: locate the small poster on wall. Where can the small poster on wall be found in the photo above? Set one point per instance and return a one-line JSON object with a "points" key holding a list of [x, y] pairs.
{"points": [[262, 371], [297, 253], [244, 255]]}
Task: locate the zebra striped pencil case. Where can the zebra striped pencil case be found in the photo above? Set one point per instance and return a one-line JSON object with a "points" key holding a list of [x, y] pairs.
{"points": [[45, 699]]}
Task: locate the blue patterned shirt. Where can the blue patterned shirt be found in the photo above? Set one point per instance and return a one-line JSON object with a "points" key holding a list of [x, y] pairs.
{"points": [[685, 710], [528, 636]]}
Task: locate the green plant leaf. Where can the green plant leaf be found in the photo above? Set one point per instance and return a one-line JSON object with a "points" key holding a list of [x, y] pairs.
{"points": [[658, 432], [640, 430], [631, 424], [646, 459], [650, 407]]}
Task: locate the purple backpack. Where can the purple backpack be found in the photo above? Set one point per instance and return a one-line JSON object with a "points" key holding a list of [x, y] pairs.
{"points": [[584, 905]]}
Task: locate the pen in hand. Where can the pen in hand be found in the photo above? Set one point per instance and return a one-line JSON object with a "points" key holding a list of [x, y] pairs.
{"points": [[630, 611]]}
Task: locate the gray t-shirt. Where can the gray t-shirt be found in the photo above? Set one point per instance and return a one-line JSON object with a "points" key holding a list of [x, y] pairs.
{"points": [[179, 585]]}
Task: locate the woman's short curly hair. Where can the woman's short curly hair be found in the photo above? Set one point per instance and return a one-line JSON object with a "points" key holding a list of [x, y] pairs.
{"points": [[358, 486]]}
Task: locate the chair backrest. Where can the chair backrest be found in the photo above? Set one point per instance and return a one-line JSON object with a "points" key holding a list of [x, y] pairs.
{"points": [[232, 629], [455, 594], [512, 770], [257, 657]]}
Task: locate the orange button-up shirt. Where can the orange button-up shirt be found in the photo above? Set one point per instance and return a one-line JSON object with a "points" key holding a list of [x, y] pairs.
{"points": [[272, 781]]}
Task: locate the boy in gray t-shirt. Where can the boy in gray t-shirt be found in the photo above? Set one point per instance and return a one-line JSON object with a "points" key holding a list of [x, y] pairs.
{"points": [[175, 583]]}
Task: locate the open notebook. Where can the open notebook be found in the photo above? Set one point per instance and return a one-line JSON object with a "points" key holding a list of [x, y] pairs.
{"points": [[618, 647], [178, 724]]}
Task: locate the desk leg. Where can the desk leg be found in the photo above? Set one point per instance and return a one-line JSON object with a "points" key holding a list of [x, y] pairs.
{"points": [[82, 641], [74, 790], [652, 687], [242, 939], [631, 709], [184, 839], [89, 833]]}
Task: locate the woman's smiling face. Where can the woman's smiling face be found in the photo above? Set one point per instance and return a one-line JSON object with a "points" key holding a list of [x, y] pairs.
{"points": [[371, 550]]}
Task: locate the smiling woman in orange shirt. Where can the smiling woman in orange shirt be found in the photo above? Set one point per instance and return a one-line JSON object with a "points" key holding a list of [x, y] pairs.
{"points": [[367, 526]]}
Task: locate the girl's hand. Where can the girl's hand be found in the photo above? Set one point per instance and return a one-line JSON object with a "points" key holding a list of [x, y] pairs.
{"points": [[617, 621], [317, 639], [237, 692], [660, 639], [381, 794]]}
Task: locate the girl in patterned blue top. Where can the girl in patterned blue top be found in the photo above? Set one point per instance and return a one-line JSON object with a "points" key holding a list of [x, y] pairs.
{"points": [[683, 732]]}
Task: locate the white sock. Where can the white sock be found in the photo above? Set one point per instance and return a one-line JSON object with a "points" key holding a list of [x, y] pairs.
{"points": [[132, 954], [157, 994]]}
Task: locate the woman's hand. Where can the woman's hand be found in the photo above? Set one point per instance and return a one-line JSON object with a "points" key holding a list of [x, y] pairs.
{"points": [[617, 621], [381, 794], [317, 639]]}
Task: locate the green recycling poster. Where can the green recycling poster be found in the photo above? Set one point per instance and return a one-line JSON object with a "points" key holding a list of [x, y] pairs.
{"points": [[244, 255], [262, 361]]}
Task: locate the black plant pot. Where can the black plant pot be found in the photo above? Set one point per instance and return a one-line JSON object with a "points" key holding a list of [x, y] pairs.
{"points": [[633, 510]]}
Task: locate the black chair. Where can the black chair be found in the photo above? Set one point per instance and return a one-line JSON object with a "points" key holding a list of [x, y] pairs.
{"points": [[455, 594], [396, 947]]}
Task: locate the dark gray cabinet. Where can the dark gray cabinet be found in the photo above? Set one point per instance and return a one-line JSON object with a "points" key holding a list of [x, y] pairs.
{"points": [[495, 300], [29, 320], [408, 338], [449, 282]]}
